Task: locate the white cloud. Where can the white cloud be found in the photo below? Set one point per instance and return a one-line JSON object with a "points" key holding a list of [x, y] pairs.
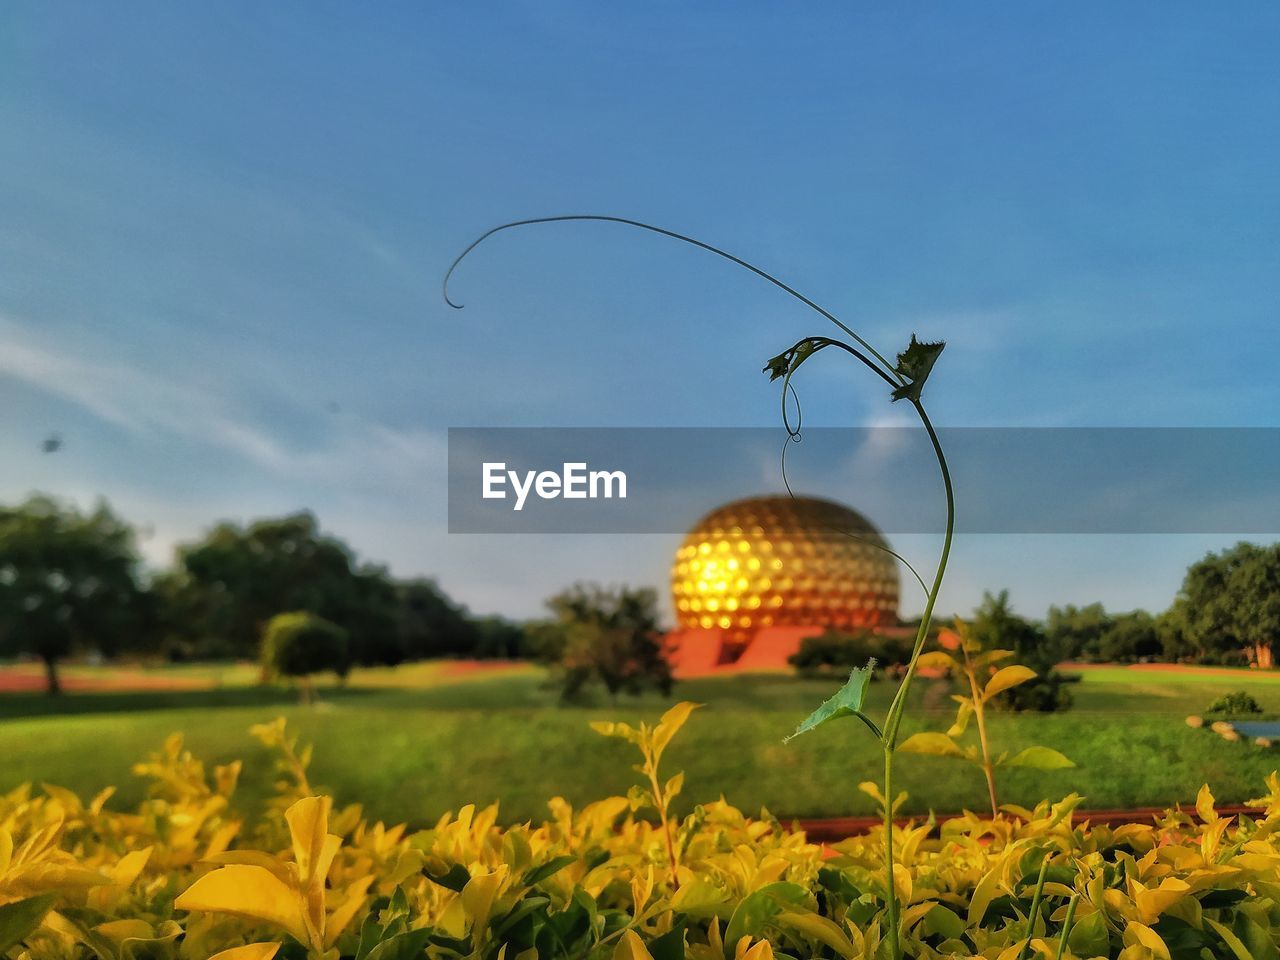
{"points": [[151, 405]]}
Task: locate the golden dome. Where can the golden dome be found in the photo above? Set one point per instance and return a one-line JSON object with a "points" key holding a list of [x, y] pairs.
{"points": [[784, 561]]}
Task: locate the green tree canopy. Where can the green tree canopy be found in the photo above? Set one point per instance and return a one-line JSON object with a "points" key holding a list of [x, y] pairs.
{"points": [[1229, 604], [606, 635], [228, 585], [68, 582], [298, 644]]}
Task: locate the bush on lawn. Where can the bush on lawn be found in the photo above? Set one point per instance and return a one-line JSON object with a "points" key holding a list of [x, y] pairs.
{"points": [[299, 644], [189, 875], [1236, 704]]}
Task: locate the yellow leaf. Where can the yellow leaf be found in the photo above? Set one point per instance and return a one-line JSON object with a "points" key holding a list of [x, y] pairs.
{"points": [[1152, 903], [983, 894], [250, 951], [933, 744], [670, 724], [308, 821], [343, 914], [478, 894], [821, 929], [247, 891], [1148, 938], [1204, 805], [631, 947], [118, 931], [129, 866], [761, 951], [1005, 678], [935, 660]]}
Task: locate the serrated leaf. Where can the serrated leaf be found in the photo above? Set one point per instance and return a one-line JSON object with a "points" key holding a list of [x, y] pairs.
{"points": [[1007, 677], [1038, 758], [915, 363], [847, 702], [932, 744], [788, 362]]}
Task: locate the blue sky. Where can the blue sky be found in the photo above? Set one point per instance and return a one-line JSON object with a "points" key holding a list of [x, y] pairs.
{"points": [[224, 227]]}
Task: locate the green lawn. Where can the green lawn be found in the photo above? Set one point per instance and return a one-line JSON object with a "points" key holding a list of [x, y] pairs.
{"points": [[412, 743]]}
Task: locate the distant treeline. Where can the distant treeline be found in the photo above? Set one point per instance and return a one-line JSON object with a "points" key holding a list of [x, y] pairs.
{"points": [[72, 582]]}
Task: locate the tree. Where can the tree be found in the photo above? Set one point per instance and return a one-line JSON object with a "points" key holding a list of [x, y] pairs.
{"points": [[1075, 632], [1229, 603], [233, 581], [429, 624], [995, 626], [837, 651], [1130, 637], [299, 643], [606, 635], [68, 582], [1090, 633]]}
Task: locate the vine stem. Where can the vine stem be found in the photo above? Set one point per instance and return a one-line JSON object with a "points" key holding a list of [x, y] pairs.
{"points": [[893, 720], [662, 231]]}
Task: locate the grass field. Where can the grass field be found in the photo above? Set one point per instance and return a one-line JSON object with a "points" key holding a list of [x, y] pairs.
{"points": [[412, 742]]}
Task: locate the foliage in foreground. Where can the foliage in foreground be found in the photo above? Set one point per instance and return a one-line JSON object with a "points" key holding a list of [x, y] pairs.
{"points": [[187, 876]]}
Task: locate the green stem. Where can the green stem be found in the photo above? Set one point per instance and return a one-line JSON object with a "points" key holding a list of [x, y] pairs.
{"points": [[1035, 907], [894, 718], [1066, 925]]}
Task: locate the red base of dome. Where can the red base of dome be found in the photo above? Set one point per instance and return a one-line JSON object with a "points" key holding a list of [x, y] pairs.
{"points": [[697, 652]]}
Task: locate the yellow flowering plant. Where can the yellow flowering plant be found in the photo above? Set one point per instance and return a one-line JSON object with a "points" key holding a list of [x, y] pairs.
{"points": [[171, 880]]}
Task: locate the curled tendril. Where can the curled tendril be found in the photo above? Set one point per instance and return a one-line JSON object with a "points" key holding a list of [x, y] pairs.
{"points": [[794, 437], [883, 368]]}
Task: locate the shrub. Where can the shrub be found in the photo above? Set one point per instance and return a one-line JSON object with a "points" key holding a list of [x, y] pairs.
{"points": [[837, 652], [1235, 704], [299, 644], [187, 875], [609, 636]]}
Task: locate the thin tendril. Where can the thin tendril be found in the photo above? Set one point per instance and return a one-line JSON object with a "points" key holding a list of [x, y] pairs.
{"points": [[891, 377]]}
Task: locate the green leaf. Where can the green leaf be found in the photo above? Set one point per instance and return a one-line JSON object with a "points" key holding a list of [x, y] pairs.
{"points": [[454, 879], [1038, 758], [779, 366], [1255, 938], [20, 918], [932, 744], [1230, 939], [943, 922], [915, 363], [758, 908], [847, 702], [1089, 938], [788, 362], [669, 946], [551, 867], [405, 946]]}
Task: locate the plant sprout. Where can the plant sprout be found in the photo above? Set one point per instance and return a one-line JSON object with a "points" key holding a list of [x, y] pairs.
{"points": [[906, 379]]}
